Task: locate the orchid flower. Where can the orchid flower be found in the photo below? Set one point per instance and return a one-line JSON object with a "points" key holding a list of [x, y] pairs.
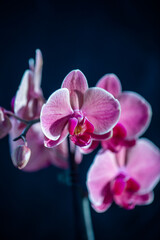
{"points": [[83, 113], [135, 114], [27, 105], [128, 178]]}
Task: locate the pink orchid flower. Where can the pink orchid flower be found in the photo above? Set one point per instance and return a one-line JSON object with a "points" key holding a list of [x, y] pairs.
{"points": [[135, 114], [27, 105], [84, 113], [128, 178]]}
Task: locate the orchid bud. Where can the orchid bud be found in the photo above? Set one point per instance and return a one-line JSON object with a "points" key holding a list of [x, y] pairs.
{"points": [[5, 123], [21, 156]]}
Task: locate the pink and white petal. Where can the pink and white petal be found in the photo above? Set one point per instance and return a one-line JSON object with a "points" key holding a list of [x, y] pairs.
{"points": [[143, 164], [91, 148], [77, 84], [101, 109], [144, 199], [135, 114], [75, 81], [103, 136], [121, 157], [21, 97], [38, 71], [108, 199], [55, 114], [125, 200], [102, 171], [52, 143], [111, 83]]}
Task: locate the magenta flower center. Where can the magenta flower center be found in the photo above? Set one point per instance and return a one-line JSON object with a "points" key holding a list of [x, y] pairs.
{"points": [[80, 129], [123, 184]]}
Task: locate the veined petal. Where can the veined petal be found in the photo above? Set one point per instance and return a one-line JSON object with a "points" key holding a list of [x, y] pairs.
{"points": [[101, 109], [103, 170], [75, 80], [143, 164], [77, 84], [135, 114], [111, 83], [51, 143], [55, 114]]}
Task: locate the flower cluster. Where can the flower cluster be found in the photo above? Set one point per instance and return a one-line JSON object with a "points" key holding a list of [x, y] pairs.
{"points": [[126, 168]]}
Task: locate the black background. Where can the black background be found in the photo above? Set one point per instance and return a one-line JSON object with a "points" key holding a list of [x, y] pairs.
{"points": [[98, 38]]}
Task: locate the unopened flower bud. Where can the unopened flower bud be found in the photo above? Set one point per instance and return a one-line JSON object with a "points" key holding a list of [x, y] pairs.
{"points": [[21, 156], [5, 123]]}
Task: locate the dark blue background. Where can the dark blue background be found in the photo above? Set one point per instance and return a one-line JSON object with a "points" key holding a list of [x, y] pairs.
{"points": [[98, 38]]}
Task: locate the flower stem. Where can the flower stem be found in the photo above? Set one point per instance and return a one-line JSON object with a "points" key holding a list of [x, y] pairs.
{"points": [[24, 132], [82, 221]]}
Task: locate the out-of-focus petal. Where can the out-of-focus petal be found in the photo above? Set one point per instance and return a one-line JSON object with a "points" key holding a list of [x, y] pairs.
{"points": [[101, 172], [144, 199], [21, 98], [77, 84], [102, 136], [55, 114], [111, 83], [5, 124], [38, 71], [101, 109], [41, 157], [143, 164], [107, 201], [92, 147], [135, 114]]}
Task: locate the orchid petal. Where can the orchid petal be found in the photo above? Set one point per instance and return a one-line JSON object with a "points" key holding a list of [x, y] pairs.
{"points": [[102, 137], [51, 143], [101, 172], [92, 147], [143, 164], [77, 84], [144, 199], [111, 83], [108, 199], [55, 114], [38, 71], [72, 125], [21, 98], [101, 109], [135, 114]]}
